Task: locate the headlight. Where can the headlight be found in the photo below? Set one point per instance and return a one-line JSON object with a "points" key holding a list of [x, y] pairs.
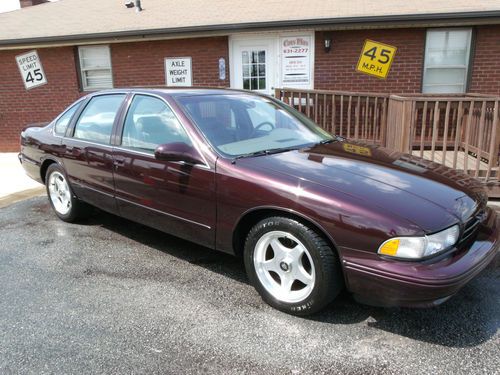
{"points": [[420, 247]]}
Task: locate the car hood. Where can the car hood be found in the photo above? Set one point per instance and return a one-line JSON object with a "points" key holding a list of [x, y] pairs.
{"points": [[427, 194]]}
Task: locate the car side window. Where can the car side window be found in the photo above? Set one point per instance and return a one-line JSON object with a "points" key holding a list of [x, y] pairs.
{"points": [[96, 121], [150, 123], [62, 123]]}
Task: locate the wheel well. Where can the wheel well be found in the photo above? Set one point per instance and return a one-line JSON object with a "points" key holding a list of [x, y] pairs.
{"points": [[44, 167], [250, 219]]}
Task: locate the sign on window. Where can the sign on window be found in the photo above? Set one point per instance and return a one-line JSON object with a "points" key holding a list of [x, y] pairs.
{"points": [[376, 59], [296, 61], [178, 71], [31, 70]]}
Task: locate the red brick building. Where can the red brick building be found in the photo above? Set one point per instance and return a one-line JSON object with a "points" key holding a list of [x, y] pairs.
{"points": [[442, 47]]}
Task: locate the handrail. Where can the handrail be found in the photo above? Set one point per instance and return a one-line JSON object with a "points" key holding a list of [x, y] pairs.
{"points": [[458, 131]]}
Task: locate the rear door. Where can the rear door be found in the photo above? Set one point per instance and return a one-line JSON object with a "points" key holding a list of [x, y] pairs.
{"points": [[175, 197], [88, 156]]}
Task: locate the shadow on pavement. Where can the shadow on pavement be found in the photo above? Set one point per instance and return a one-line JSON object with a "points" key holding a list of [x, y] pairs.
{"points": [[466, 320]]}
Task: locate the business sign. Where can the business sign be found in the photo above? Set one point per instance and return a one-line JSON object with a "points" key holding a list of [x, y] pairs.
{"points": [[376, 59], [296, 61], [178, 71], [31, 70]]}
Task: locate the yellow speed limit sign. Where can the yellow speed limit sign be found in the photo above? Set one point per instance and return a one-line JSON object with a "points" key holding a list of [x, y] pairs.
{"points": [[376, 59]]}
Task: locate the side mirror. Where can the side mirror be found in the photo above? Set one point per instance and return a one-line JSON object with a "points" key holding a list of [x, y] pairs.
{"points": [[178, 151]]}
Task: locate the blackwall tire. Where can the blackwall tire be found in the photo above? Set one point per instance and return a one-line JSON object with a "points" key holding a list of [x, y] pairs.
{"points": [[292, 266]]}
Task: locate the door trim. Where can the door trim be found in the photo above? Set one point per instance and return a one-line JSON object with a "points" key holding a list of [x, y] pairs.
{"points": [[163, 212]]}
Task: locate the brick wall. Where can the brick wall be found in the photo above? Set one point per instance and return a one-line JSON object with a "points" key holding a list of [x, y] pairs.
{"points": [[142, 63], [19, 107], [134, 64], [485, 75], [337, 69]]}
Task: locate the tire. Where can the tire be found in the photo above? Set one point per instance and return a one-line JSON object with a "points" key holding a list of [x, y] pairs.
{"points": [[300, 274], [64, 203]]}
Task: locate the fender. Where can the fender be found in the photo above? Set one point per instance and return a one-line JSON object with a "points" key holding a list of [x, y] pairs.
{"points": [[306, 218]]}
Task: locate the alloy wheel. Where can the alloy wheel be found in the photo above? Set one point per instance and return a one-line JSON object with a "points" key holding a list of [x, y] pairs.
{"points": [[59, 192], [284, 266]]}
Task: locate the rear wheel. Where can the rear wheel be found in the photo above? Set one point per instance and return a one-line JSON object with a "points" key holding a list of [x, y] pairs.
{"points": [[292, 267], [65, 204]]}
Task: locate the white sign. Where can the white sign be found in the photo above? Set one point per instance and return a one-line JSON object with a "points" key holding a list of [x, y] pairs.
{"points": [[178, 71], [222, 68], [31, 70], [296, 55]]}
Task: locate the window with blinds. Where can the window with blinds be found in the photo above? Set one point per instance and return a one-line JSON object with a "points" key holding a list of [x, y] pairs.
{"points": [[447, 54], [95, 67]]}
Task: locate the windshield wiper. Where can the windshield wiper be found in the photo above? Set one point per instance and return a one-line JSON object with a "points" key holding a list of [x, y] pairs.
{"points": [[335, 139], [265, 152]]}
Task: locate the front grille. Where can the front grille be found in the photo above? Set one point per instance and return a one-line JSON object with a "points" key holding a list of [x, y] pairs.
{"points": [[472, 225]]}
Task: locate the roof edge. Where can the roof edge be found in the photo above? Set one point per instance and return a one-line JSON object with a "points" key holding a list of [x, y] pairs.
{"points": [[347, 21]]}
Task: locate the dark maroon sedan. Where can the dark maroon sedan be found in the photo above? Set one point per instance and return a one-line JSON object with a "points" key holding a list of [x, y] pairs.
{"points": [[244, 174]]}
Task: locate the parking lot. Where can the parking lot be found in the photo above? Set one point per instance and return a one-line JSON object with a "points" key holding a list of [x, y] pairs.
{"points": [[111, 296]]}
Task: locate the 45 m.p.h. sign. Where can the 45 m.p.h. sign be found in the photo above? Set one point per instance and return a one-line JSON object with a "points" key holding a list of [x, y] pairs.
{"points": [[376, 58]]}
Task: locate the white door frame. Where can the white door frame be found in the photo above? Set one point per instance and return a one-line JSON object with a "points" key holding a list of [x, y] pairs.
{"points": [[266, 42], [273, 38]]}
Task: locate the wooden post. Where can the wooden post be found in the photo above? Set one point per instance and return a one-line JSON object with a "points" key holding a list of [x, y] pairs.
{"points": [[333, 115], [467, 136], [458, 133], [480, 139], [435, 124], [445, 133], [399, 115]]}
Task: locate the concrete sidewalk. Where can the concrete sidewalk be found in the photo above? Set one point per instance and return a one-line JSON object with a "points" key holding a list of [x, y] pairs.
{"points": [[15, 184]]}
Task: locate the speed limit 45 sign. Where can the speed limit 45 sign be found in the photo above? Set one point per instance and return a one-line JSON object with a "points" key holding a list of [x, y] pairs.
{"points": [[376, 59], [31, 70]]}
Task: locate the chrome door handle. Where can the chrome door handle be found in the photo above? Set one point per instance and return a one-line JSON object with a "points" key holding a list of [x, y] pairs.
{"points": [[119, 161]]}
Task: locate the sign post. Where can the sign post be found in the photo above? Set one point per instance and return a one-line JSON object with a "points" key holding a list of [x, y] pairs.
{"points": [[31, 69], [178, 71], [376, 59]]}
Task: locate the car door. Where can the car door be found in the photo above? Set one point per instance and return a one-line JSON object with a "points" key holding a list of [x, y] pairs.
{"points": [[88, 159], [175, 197]]}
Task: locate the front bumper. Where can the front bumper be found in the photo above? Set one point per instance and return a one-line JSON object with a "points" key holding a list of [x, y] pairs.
{"points": [[386, 282]]}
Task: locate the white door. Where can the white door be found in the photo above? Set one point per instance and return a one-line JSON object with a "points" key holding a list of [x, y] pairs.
{"points": [[253, 64]]}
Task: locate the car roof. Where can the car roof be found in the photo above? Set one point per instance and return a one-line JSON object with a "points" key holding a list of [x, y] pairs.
{"points": [[176, 92]]}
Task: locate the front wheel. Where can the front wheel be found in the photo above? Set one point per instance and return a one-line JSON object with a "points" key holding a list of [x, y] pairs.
{"points": [[292, 267], [66, 206]]}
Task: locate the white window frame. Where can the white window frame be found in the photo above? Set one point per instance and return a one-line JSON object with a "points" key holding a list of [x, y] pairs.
{"points": [[466, 67], [83, 70]]}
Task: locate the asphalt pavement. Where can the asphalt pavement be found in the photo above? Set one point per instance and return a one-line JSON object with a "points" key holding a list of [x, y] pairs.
{"points": [[111, 296]]}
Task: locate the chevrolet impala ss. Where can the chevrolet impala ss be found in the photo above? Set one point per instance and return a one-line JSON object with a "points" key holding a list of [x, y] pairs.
{"points": [[310, 213]]}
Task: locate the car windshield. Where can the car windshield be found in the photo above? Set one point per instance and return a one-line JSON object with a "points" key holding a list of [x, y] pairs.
{"points": [[238, 125]]}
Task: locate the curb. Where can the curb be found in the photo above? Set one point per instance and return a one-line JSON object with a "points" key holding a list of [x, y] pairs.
{"points": [[21, 195]]}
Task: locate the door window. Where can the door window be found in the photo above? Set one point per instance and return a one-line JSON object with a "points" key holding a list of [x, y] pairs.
{"points": [[254, 69], [150, 123], [96, 121]]}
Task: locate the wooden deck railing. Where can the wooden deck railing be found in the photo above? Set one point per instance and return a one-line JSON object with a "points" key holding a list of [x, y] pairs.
{"points": [[351, 115], [461, 132]]}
